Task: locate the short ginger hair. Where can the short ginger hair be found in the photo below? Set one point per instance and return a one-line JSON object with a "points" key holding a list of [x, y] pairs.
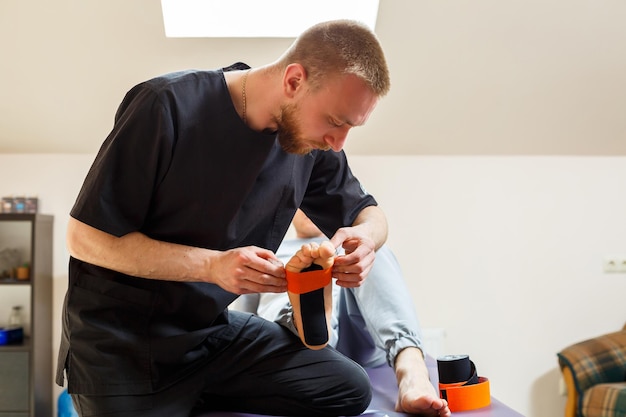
{"points": [[340, 47]]}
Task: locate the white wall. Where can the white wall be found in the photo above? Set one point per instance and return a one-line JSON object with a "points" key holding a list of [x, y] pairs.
{"points": [[503, 252], [540, 77]]}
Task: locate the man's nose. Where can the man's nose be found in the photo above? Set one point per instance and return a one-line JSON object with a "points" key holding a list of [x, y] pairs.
{"points": [[337, 139]]}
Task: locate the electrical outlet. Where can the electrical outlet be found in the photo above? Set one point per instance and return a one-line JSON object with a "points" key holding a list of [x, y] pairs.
{"points": [[614, 264]]}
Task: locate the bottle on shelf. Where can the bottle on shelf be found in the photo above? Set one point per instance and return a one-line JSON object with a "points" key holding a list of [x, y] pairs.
{"points": [[16, 318], [13, 333]]}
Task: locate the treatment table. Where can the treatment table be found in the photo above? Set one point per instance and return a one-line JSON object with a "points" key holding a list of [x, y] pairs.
{"points": [[385, 392]]}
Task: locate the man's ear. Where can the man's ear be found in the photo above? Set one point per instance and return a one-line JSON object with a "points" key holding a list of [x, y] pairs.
{"points": [[293, 79]]}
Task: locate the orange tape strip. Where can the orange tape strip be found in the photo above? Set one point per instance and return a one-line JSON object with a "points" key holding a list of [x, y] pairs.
{"points": [[467, 397], [303, 282]]}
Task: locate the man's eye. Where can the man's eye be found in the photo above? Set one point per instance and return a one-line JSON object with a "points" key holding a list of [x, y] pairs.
{"points": [[335, 123]]}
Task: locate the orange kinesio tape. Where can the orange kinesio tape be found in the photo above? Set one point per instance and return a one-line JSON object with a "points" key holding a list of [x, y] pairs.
{"points": [[303, 282], [463, 397]]}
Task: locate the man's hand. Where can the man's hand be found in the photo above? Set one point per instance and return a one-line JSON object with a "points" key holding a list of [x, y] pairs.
{"points": [[351, 269], [360, 242], [248, 270]]}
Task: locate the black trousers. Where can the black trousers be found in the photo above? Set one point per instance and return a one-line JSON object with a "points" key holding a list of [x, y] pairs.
{"points": [[266, 370]]}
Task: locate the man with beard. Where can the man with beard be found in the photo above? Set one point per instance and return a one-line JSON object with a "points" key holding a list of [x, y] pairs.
{"points": [[189, 196]]}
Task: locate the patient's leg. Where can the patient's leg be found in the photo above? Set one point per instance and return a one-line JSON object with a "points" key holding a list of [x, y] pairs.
{"points": [[312, 308]]}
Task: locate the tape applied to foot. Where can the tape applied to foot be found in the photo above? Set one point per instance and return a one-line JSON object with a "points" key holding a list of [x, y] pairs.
{"points": [[303, 282]]}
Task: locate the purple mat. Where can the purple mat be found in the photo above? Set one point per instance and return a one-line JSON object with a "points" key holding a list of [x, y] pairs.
{"points": [[385, 392]]}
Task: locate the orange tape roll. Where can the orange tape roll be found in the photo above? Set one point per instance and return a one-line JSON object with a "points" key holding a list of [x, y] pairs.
{"points": [[303, 282], [463, 397]]}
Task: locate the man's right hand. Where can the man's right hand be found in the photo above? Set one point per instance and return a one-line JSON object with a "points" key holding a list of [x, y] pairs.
{"points": [[248, 270]]}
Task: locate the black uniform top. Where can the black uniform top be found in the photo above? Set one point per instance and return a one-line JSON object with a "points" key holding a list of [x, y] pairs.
{"points": [[180, 166]]}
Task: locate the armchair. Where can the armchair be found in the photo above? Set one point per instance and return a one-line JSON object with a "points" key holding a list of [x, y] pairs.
{"points": [[594, 372]]}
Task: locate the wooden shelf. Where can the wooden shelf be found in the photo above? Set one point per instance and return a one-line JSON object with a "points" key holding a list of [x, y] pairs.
{"points": [[26, 368], [26, 345]]}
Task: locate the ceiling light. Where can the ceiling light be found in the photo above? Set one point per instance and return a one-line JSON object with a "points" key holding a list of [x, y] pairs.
{"points": [[258, 18]]}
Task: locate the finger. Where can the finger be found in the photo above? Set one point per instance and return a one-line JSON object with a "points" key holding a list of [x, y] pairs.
{"points": [[339, 238], [360, 254], [258, 282], [347, 284], [267, 263], [269, 256], [353, 264], [349, 280], [268, 273], [351, 276]]}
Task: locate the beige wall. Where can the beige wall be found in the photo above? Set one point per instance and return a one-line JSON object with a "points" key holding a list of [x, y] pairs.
{"points": [[504, 253], [469, 77]]}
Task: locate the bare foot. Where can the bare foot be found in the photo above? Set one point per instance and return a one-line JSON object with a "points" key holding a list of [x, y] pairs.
{"points": [[421, 400], [316, 305], [416, 394]]}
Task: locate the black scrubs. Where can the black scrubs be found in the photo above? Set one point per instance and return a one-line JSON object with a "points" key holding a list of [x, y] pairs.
{"points": [[180, 166]]}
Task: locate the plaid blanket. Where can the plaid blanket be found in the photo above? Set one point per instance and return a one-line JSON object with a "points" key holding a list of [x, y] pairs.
{"points": [[599, 369], [605, 400]]}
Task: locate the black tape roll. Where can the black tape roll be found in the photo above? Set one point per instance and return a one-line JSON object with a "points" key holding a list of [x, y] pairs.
{"points": [[456, 368]]}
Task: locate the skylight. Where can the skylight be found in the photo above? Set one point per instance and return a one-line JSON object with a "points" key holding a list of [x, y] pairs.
{"points": [[258, 18]]}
